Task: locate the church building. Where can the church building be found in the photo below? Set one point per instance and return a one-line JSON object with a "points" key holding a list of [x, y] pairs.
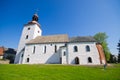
{"points": [[34, 48]]}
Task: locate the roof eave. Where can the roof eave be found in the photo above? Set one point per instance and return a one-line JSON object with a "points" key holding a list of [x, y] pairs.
{"points": [[46, 43]]}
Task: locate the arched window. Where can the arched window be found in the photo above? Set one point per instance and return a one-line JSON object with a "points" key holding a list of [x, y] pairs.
{"points": [[89, 60], [34, 49], [27, 59], [75, 49], [88, 48], [27, 37], [55, 48]]}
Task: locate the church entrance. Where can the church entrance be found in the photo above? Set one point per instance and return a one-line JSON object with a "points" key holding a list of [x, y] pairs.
{"points": [[76, 60]]}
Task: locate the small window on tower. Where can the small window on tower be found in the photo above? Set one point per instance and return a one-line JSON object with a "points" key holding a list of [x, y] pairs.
{"points": [[27, 37], [29, 28], [64, 53], [38, 31]]}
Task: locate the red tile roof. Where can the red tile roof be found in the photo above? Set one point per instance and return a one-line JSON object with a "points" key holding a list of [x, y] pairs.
{"points": [[1, 51]]}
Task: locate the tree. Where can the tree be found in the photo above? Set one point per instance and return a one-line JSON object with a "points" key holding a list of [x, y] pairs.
{"points": [[113, 58], [118, 51], [9, 54], [101, 38]]}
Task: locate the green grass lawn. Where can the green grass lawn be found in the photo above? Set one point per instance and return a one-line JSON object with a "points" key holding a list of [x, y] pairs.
{"points": [[58, 72]]}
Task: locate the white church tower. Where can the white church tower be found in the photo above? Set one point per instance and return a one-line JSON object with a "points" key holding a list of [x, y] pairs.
{"points": [[30, 31]]}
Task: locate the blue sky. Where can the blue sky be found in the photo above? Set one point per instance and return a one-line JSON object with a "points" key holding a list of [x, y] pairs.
{"points": [[72, 17]]}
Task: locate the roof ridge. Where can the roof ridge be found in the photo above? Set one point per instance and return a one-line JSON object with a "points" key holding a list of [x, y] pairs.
{"points": [[56, 35], [82, 36], [82, 39]]}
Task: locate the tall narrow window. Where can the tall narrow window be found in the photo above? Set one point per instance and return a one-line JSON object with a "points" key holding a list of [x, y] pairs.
{"points": [[75, 49], [55, 48], [27, 37], [44, 49], [28, 59], [89, 60], [22, 55], [34, 49], [87, 48]]}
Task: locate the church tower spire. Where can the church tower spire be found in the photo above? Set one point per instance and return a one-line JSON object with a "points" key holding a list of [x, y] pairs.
{"points": [[30, 31]]}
